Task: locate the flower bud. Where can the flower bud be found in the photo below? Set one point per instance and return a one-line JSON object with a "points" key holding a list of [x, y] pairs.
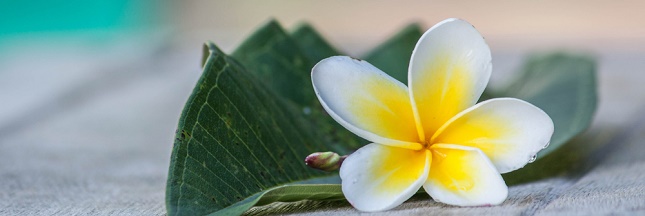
{"points": [[326, 161]]}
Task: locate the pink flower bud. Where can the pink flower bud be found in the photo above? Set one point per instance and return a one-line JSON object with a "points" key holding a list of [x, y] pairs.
{"points": [[326, 161]]}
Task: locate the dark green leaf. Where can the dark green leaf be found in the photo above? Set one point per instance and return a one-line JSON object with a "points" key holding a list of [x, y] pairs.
{"points": [[393, 56], [313, 46], [278, 60], [564, 86], [235, 139], [274, 58]]}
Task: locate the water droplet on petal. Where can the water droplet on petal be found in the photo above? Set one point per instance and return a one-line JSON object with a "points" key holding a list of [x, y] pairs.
{"points": [[354, 181], [533, 158], [547, 145]]}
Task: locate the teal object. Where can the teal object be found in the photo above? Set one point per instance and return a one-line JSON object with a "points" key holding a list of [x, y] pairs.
{"points": [[42, 18]]}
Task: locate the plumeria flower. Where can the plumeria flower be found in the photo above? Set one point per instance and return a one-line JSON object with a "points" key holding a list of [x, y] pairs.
{"points": [[431, 133]]}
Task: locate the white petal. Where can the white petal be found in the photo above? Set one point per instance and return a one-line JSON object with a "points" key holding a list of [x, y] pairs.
{"points": [[366, 101], [449, 69], [379, 177], [508, 130], [463, 176]]}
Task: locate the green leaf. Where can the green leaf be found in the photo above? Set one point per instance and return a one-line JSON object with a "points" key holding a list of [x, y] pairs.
{"points": [[234, 109], [313, 46], [280, 61], [274, 58], [564, 86], [393, 56], [236, 138], [286, 193]]}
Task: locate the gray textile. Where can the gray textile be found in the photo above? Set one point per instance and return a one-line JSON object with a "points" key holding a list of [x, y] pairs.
{"points": [[95, 139]]}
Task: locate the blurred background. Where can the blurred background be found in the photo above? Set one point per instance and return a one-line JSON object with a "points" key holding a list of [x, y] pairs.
{"points": [[357, 25], [91, 91]]}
